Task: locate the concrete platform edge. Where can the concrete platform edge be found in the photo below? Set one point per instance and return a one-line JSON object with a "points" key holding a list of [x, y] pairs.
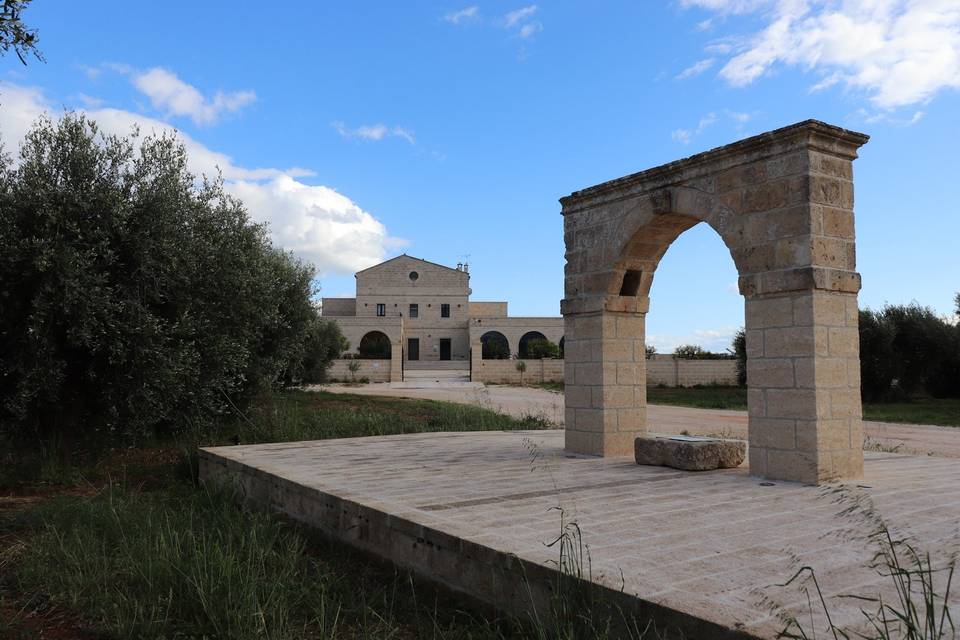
{"points": [[481, 573]]}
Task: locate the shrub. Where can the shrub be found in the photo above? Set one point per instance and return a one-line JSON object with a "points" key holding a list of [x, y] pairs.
{"points": [[494, 347], [739, 349], [650, 351], [907, 350], [538, 348], [135, 298], [521, 366], [374, 346]]}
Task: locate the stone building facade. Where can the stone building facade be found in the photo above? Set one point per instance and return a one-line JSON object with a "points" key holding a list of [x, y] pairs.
{"points": [[424, 310]]}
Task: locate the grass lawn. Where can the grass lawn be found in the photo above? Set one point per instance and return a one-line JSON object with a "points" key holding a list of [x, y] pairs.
{"points": [[123, 544], [938, 411]]}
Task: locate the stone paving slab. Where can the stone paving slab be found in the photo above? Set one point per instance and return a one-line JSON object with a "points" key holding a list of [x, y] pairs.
{"points": [[710, 545]]}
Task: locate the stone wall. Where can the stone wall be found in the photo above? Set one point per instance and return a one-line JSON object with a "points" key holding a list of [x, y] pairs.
{"points": [[374, 370], [488, 310], [338, 306], [505, 371], [669, 372], [677, 372]]}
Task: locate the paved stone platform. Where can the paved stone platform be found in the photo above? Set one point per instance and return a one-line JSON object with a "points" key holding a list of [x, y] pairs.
{"points": [[701, 552]]}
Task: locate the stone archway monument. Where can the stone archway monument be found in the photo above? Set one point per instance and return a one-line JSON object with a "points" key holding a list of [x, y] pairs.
{"points": [[783, 204]]}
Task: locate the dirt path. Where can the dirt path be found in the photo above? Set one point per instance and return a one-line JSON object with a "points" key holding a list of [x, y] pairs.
{"points": [[519, 401]]}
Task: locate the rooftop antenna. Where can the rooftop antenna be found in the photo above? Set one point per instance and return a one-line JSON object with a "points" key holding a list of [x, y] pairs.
{"points": [[466, 262]]}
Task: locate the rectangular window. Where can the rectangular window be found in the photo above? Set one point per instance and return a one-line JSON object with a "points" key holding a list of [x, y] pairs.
{"points": [[444, 311], [414, 311], [381, 309]]}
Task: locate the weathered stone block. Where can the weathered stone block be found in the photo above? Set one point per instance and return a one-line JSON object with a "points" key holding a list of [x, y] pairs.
{"points": [[693, 454]]}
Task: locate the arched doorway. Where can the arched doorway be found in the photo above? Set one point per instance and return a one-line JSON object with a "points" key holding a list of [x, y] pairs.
{"points": [[523, 346], [783, 204], [495, 346], [374, 345]]}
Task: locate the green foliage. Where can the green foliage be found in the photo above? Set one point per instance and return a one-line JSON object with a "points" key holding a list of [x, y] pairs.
{"points": [[494, 346], [374, 346], [739, 349], [696, 352], [152, 566], [650, 351], [135, 298], [908, 351], [14, 34], [537, 349], [353, 366], [521, 366]]}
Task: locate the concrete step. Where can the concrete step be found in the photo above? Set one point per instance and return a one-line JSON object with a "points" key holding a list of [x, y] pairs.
{"points": [[436, 365], [442, 374], [436, 383]]}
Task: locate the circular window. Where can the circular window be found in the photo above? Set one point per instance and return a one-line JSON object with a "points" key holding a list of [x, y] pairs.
{"points": [[414, 276]]}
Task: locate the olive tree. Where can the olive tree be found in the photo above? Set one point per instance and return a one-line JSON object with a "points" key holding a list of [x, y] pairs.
{"points": [[135, 297]]}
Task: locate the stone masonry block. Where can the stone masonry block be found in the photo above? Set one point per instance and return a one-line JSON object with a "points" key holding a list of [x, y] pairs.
{"points": [[844, 342], [776, 311], [696, 455], [632, 420], [791, 403], [770, 372], [790, 342], [756, 402], [824, 434], [836, 253], [837, 223], [754, 342], [578, 396], [830, 165], [793, 466], [773, 433], [588, 373]]}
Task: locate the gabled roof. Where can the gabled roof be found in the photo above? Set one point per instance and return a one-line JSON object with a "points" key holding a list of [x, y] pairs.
{"points": [[404, 255]]}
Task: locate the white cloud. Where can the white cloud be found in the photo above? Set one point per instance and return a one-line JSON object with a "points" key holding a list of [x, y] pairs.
{"points": [[715, 340], [467, 14], [530, 29], [686, 136], [90, 101], [518, 16], [175, 97], [316, 222], [695, 69], [898, 52], [374, 132], [92, 73]]}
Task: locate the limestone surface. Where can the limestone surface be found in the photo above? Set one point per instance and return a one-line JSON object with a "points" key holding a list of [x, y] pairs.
{"points": [[690, 453]]}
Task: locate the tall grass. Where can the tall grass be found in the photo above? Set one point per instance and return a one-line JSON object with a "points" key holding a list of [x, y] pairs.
{"points": [[186, 562], [190, 563], [302, 415], [920, 608]]}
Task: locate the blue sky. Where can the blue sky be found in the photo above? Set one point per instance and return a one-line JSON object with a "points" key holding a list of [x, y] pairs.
{"points": [[446, 129]]}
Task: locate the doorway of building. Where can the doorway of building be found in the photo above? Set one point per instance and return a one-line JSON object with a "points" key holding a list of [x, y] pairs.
{"points": [[413, 349], [444, 348]]}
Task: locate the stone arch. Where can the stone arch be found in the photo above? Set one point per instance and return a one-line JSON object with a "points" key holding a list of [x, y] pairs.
{"points": [[525, 340], [494, 346], [782, 202], [375, 345]]}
